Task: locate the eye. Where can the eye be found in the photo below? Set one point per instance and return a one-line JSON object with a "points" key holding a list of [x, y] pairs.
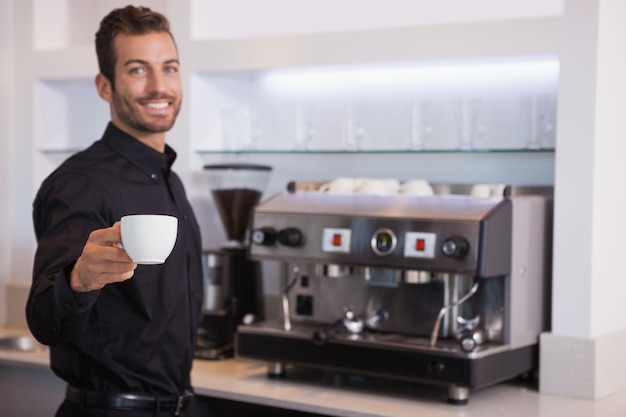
{"points": [[136, 70], [171, 69]]}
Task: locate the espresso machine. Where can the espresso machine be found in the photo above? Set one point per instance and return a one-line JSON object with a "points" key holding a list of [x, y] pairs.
{"points": [[448, 289], [233, 289]]}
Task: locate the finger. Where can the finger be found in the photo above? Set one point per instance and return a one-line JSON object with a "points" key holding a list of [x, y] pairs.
{"points": [[95, 251], [91, 273], [106, 236], [107, 258]]}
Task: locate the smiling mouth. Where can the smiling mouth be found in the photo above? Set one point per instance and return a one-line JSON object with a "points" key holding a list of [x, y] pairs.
{"points": [[157, 106]]}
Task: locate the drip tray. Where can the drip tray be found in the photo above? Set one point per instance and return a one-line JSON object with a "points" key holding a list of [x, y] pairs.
{"points": [[385, 355], [305, 331]]}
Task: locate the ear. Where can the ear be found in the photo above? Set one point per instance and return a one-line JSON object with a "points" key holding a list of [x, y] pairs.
{"points": [[104, 87]]}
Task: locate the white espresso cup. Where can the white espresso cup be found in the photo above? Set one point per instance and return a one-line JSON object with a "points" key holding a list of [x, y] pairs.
{"points": [[378, 187], [488, 190], [341, 185], [148, 239], [416, 187]]}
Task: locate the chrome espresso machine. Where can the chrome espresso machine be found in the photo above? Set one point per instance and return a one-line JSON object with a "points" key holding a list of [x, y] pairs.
{"points": [[448, 289]]}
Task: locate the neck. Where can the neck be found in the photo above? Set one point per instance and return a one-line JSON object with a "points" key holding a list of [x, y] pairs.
{"points": [[154, 140]]}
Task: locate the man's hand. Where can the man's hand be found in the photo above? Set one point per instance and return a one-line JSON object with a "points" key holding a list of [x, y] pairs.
{"points": [[102, 261]]}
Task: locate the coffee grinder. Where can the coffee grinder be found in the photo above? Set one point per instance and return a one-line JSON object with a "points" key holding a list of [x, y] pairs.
{"points": [[233, 291]]}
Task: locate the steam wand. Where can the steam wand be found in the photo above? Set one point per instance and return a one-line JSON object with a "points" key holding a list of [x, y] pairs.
{"points": [[444, 310], [286, 314]]}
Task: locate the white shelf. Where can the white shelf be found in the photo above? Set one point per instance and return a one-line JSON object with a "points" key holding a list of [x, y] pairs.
{"points": [[480, 104], [68, 114], [233, 109], [64, 151], [230, 112]]}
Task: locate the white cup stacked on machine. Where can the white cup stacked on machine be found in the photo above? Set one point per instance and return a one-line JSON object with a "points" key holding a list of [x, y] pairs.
{"points": [[488, 190], [376, 186], [416, 187], [340, 185]]}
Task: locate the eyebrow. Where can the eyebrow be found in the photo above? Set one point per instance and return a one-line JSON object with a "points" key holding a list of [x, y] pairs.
{"points": [[144, 62]]}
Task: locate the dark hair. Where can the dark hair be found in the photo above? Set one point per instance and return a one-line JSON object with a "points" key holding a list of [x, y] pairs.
{"points": [[129, 20]]}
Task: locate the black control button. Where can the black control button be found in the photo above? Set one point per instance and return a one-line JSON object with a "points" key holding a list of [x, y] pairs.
{"points": [[304, 305], [290, 236], [304, 281], [455, 247]]}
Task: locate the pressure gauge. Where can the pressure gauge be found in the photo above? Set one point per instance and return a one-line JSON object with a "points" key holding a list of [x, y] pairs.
{"points": [[384, 242]]}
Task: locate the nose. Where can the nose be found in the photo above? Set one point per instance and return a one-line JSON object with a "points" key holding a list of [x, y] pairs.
{"points": [[156, 81]]}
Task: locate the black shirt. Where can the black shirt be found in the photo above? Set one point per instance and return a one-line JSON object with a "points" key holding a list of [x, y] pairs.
{"points": [[138, 335]]}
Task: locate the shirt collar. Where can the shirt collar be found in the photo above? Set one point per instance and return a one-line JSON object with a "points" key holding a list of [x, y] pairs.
{"points": [[147, 159]]}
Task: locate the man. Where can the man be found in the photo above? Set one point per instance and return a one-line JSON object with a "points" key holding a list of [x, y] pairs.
{"points": [[121, 335]]}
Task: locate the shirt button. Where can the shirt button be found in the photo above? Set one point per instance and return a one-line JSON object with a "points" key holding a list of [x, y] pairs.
{"points": [[154, 176], [83, 305], [185, 217], [67, 305]]}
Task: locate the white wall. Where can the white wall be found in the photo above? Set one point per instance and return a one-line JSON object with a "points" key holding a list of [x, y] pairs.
{"points": [[22, 236], [609, 218], [6, 137], [581, 356], [574, 173], [588, 263]]}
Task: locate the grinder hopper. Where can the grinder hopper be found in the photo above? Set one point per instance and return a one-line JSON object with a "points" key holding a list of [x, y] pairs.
{"points": [[236, 189]]}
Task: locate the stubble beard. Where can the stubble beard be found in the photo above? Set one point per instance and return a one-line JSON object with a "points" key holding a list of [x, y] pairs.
{"points": [[131, 116]]}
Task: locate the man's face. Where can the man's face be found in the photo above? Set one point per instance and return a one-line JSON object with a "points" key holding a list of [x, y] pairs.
{"points": [[147, 94]]}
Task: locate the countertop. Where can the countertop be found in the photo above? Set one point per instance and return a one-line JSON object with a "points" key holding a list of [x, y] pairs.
{"points": [[333, 394], [350, 396]]}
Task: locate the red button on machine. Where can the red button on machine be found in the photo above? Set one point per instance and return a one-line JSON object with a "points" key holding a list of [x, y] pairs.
{"points": [[336, 240], [420, 244]]}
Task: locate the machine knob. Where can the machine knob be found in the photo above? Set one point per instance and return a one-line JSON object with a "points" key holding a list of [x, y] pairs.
{"points": [[265, 236], [290, 236], [455, 247]]}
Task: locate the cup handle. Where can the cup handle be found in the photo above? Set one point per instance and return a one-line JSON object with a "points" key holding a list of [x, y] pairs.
{"points": [[324, 188]]}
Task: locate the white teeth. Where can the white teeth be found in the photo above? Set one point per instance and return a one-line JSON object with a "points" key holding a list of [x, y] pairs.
{"points": [[157, 105]]}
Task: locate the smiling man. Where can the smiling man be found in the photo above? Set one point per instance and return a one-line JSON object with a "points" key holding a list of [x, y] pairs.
{"points": [[144, 89], [121, 335]]}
